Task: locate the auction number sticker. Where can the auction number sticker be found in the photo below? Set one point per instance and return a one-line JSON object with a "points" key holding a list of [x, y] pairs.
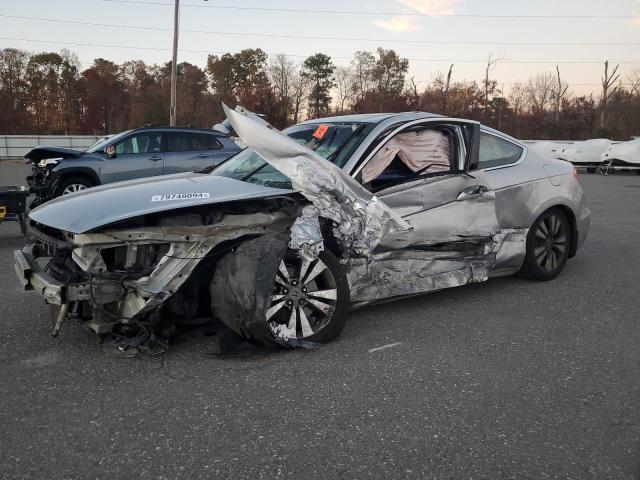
{"points": [[179, 196]]}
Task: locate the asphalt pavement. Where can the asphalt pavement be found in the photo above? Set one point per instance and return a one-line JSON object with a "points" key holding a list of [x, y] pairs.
{"points": [[506, 379]]}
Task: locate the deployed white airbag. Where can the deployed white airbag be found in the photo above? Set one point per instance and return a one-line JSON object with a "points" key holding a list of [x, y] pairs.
{"points": [[417, 150]]}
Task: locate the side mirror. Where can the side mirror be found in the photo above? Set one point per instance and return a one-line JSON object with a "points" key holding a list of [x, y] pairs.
{"points": [[110, 151]]}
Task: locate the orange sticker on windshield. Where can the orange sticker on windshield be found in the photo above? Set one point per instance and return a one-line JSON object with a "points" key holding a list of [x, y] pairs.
{"points": [[320, 131]]}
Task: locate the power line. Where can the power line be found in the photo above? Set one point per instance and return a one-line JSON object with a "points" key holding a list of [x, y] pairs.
{"points": [[360, 12], [312, 37], [435, 60]]}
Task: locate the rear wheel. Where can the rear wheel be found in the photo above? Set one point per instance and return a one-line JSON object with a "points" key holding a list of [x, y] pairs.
{"points": [[310, 300], [70, 185], [548, 245]]}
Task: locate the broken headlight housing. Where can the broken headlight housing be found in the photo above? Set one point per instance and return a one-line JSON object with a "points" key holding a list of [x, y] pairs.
{"points": [[48, 162]]}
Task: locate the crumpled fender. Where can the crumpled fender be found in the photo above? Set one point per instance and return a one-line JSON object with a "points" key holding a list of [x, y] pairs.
{"points": [[360, 219], [242, 286]]}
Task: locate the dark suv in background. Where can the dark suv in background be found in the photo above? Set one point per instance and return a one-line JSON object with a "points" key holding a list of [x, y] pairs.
{"points": [[142, 152]]}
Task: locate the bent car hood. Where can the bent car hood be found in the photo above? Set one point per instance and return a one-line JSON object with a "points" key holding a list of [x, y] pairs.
{"points": [[41, 152], [99, 206]]}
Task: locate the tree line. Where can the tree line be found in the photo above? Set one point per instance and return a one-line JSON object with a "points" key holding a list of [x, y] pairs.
{"points": [[49, 93]]}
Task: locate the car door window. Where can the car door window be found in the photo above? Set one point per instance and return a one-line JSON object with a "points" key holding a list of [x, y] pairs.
{"points": [[191, 142], [178, 142], [148, 142], [497, 152], [209, 142], [409, 155]]}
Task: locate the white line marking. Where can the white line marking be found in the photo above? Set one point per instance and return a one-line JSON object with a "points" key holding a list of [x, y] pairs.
{"points": [[384, 347]]}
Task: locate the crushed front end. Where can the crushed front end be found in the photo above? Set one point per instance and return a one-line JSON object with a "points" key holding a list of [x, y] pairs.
{"points": [[133, 283]]}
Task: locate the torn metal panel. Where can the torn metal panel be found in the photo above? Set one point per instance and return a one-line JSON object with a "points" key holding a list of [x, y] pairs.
{"points": [[242, 286], [419, 270], [360, 219], [306, 235], [407, 272]]}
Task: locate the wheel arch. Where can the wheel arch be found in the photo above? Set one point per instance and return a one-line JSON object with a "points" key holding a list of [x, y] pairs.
{"points": [[571, 216], [85, 172]]}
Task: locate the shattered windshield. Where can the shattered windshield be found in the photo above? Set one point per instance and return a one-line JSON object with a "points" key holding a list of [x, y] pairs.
{"points": [[333, 141]]}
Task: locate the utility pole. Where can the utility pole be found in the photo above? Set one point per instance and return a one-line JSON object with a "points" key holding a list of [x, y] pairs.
{"points": [[174, 61]]}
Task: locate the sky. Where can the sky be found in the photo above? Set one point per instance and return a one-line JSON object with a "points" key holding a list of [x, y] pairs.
{"points": [[407, 26]]}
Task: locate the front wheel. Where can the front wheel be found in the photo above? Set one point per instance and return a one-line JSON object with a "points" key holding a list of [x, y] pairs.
{"points": [[70, 185], [310, 299], [548, 245]]}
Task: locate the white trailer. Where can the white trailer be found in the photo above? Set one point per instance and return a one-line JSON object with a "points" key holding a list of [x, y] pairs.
{"points": [[622, 156]]}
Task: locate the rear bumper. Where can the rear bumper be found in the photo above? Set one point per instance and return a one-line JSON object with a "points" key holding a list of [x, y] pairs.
{"points": [[582, 225]]}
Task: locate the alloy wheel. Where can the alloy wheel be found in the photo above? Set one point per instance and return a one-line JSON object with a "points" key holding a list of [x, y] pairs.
{"points": [[74, 187], [550, 242], [304, 298]]}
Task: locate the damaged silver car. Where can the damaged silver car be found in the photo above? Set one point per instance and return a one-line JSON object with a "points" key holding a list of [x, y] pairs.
{"points": [[280, 240]]}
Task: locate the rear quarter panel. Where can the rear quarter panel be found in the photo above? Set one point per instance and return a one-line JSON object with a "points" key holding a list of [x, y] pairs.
{"points": [[524, 191]]}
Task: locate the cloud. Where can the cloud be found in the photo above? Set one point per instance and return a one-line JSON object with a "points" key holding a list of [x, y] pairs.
{"points": [[432, 7], [399, 23]]}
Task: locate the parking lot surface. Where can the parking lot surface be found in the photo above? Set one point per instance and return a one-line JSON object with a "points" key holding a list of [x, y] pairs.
{"points": [[506, 379]]}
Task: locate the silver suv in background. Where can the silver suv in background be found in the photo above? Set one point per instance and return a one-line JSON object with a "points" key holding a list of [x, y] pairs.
{"points": [[138, 153]]}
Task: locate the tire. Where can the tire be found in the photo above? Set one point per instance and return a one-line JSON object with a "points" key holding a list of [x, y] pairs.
{"points": [[72, 184], [548, 245], [591, 169], [253, 293], [310, 301]]}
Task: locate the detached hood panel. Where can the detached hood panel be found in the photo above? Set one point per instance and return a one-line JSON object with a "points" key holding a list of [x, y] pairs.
{"points": [[100, 206], [42, 152]]}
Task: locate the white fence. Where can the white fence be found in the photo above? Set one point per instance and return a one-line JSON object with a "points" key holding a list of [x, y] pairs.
{"points": [[16, 146]]}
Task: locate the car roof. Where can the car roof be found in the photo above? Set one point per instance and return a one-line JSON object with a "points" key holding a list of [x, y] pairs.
{"points": [[373, 117], [178, 129]]}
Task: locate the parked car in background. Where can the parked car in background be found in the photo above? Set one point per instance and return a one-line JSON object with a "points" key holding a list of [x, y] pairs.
{"points": [[138, 153]]}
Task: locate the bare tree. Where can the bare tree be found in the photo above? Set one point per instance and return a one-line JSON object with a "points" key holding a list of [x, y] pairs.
{"points": [[363, 66], [344, 88], [634, 81], [490, 85], [608, 89], [412, 92], [540, 91], [445, 97], [559, 92], [282, 72], [300, 92]]}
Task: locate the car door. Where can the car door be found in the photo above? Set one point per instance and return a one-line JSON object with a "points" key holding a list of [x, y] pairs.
{"points": [[190, 151], [453, 218], [138, 155]]}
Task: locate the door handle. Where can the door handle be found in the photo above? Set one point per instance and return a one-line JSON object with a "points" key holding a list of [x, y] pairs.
{"points": [[475, 191], [205, 155], [155, 158]]}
